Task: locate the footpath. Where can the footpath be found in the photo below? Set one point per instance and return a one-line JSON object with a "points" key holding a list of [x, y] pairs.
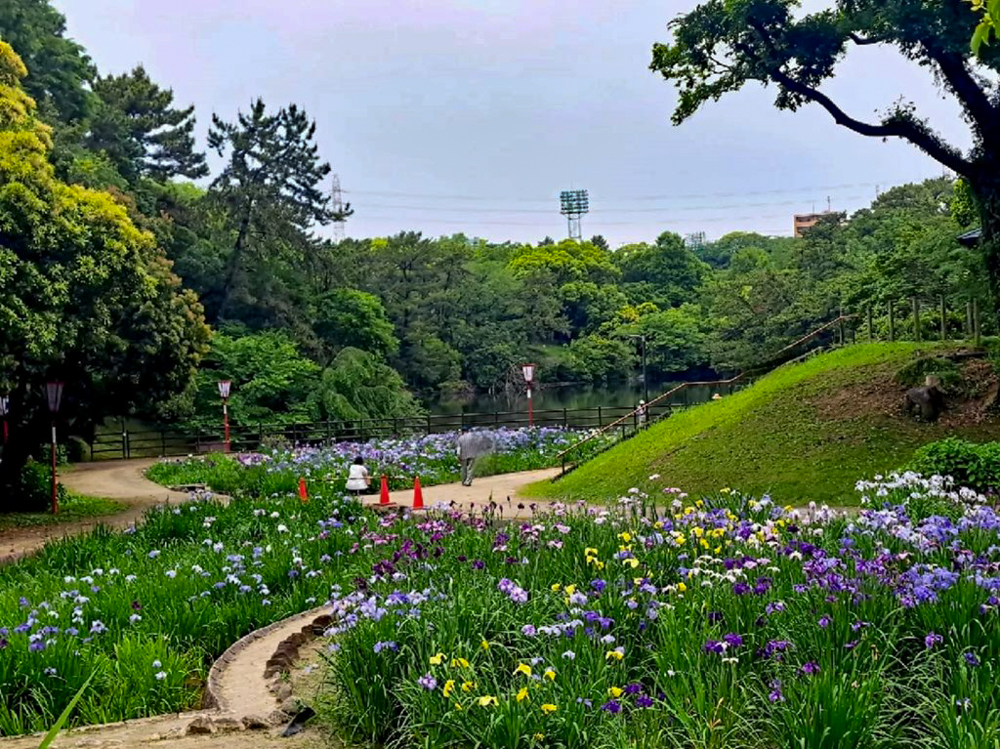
{"points": [[125, 481]]}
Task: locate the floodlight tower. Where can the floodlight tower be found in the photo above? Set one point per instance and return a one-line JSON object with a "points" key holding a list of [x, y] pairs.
{"points": [[573, 204]]}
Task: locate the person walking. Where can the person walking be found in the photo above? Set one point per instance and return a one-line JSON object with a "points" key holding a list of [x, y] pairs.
{"points": [[643, 413], [467, 449], [358, 478]]}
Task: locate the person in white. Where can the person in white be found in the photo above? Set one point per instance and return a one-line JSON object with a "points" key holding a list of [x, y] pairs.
{"points": [[643, 413], [358, 477]]}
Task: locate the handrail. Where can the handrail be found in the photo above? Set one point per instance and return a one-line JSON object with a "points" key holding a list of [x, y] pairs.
{"points": [[684, 385], [633, 414]]}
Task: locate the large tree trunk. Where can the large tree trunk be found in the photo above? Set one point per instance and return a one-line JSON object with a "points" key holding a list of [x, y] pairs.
{"points": [[985, 184]]}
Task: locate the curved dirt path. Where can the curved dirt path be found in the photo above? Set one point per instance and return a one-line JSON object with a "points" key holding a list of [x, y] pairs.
{"points": [[121, 480], [252, 707], [498, 489]]}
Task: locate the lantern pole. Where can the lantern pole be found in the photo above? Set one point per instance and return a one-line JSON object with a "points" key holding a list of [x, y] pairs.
{"points": [[224, 386], [53, 391], [528, 370]]}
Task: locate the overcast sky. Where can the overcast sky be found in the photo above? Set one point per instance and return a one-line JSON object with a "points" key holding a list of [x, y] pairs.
{"points": [[471, 115]]}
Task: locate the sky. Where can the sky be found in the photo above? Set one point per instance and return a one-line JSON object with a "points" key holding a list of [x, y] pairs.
{"points": [[447, 116]]}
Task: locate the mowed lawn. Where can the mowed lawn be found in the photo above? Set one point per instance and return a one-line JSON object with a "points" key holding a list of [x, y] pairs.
{"points": [[805, 432]]}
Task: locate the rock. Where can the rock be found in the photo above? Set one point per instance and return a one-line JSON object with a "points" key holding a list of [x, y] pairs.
{"points": [[927, 402], [227, 725], [200, 727], [283, 692], [255, 723], [289, 706]]}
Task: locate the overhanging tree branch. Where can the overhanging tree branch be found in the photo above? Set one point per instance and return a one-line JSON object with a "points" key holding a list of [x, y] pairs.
{"points": [[967, 90], [906, 129]]}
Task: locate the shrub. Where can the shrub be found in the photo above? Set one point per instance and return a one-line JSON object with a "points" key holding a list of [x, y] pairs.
{"points": [[35, 489], [915, 373], [971, 465]]}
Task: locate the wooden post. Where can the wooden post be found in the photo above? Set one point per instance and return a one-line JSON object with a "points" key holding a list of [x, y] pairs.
{"points": [[892, 323], [843, 335], [968, 319], [944, 319], [916, 319], [600, 418], [868, 313], [977, 331]]}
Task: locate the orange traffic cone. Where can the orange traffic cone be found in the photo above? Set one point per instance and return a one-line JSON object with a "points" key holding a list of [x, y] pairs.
{"points": [[418, 495], [383, 498], [302, 489]]}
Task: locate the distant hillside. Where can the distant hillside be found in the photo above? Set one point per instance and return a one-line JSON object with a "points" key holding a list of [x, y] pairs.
{"points": [[804, 432]]}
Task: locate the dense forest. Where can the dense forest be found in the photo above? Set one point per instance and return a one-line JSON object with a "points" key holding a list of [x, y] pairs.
{"points": [[228, 273]]}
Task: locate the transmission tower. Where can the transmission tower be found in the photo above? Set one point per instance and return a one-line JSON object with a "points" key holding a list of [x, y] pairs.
{"points": [[337, 206], [573, 205]]}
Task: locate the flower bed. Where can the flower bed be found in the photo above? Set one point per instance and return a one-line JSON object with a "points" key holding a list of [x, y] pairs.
{"points": [[725, 622], [431, 457]]}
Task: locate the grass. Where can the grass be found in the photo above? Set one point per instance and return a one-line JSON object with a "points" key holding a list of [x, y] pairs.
{"points": [[75, 507], [774, 437]]}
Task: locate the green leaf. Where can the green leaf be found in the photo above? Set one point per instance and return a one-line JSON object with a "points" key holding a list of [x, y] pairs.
{"points": [[54, 731]]}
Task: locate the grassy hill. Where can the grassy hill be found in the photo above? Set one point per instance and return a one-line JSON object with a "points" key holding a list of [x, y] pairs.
{"points": [[806, 431]]}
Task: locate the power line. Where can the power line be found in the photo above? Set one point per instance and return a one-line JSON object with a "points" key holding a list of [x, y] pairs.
{"points": [[680, 209], [665, 196]]}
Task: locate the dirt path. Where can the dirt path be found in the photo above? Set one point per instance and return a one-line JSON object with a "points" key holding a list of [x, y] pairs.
{"points": [[483, 490], [250, 710], [120, 480]]}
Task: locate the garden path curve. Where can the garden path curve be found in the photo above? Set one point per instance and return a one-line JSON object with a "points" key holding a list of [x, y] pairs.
{"points": [[121, 480], [125, 481]]}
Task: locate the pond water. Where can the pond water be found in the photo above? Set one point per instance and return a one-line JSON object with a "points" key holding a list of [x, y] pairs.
{"points": [[570, 397]]}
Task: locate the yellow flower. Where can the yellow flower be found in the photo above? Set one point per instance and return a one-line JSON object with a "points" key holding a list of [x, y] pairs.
{"points": [[486, 645], [449, 687], [548, 708], [697, 531], [658, 525], [523, 668], [459, 663], [538, 736], [550, 674], [523, 694], [681, 587], [487, 700], [631, 562], [588, 552], [555, 587], [704, 543], [436, 660], [626, 536], [725, 490], [679, 539], [637, 581], [613, 655], [615, 692], [700, 504], [468, 686], [458, 705], [570, 590], [599, 565]]}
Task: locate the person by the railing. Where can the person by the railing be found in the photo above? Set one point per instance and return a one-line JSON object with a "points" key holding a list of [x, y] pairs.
{"points": [[642, 412]]}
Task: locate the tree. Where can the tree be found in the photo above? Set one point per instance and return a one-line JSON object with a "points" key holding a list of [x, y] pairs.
{"points": [[720, 46], [359, 386], [58, 68], [666, 273], [143, 135], [84, 295], [270, 186], [347, 318]]}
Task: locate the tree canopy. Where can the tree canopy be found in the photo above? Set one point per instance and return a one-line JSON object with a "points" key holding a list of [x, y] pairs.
{"points": [[84, 295], [721, 45]]}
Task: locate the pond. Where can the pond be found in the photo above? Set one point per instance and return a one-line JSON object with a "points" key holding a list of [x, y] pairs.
{"points": [[621, 394]]}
